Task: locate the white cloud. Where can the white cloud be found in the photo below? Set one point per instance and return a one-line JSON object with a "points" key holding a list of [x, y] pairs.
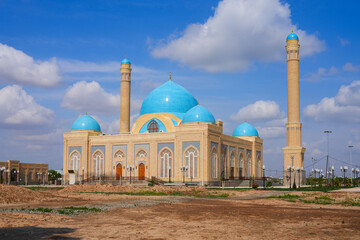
{"points": [[345, 106], [343, 41], [349, 95], [17, 67], [77, 66], [239, 33], [272, 132], [349, 67], [91, 97], [322, 73], [258, 111], [18, 109]]}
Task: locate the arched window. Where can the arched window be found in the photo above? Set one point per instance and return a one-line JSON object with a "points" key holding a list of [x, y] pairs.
{"points": [[153, 127], [213, 163], [191, 159], [165, 163], [241, 167], [141, 154], [74, 161], [258, 167], [232, 165], [119, 154], [98, 160], [249, 166]]}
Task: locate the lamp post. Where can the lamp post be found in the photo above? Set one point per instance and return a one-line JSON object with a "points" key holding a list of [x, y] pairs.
{"points": [[345, 169], [350, 148], [327, 158], [353, 172], [169, 174], [130, 168], [83, 176], [357, 177], [298, 170], [183, 170], [7, 176], [333, 176], [289, 168], [264, 177], [1, 174]]}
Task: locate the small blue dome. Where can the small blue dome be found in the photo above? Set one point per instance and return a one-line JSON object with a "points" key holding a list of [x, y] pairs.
{"points": [[170, 98], [198, 114], [292, 36], [245, 130], [125, 61], [86, 122]]}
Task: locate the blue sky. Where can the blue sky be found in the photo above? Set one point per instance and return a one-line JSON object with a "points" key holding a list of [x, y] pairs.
{"points": [[60, 59]]}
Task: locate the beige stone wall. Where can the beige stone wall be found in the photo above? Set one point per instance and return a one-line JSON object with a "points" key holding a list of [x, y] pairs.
{"points": [[39, 172], [201, 135]]}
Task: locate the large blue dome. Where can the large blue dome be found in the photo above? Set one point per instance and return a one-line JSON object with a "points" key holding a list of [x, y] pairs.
{"points": [[198, 114], [292, 36], [169, 97], [245, 130], [86, 122]]}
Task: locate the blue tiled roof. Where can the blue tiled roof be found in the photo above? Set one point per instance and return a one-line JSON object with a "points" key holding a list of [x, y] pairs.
{"points": [[245, 129], [198, 114], [170, 97], [86, 122], [292, 36], [125, 61]]}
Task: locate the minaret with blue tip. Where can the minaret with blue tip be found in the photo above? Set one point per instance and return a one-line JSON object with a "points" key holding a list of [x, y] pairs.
{"points": [[125, 89], [294, 151]]}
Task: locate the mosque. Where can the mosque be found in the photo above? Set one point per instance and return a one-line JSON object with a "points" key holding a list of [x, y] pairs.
{"points": [[174, 139]]}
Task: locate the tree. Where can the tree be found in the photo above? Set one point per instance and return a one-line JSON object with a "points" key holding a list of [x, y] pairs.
{"points": [[54, 175]]}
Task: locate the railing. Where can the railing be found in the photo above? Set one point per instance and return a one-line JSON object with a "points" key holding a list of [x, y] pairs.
{"points": [[245, 178], [102, 179]]}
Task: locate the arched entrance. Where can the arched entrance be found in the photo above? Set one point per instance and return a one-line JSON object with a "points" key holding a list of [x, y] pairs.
{"points": [[141, 171], [118, 171], [13, 175]]}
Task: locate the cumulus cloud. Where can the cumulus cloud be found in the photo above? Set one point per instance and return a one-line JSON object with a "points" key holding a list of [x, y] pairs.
{"points": [[18, 109], [345, 106], [91, 97], [272, 132], [239, 33], [322, 73], [258, 111], [349, 67], [18, 67]]}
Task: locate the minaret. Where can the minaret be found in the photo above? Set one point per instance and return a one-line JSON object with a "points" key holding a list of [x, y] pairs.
{"points": [[294, 151], [125, 88]]}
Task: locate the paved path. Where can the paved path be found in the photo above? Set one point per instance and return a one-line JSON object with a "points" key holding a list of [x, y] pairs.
{"points": [[350, 190]]}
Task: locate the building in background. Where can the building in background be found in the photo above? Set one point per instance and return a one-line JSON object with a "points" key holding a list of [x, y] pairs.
{"points": [[15, 172]]}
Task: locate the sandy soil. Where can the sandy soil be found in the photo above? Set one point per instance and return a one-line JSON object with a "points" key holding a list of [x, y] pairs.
{"points": [[188, 218]]}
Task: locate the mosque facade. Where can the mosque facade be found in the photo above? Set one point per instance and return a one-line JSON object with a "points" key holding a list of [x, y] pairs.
{"points": [[174, 139]]}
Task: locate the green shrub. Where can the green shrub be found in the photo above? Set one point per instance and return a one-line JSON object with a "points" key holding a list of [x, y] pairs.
{"points": [[255, 185], [269, 184]]}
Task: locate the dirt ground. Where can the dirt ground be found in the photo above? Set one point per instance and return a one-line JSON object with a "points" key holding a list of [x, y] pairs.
{"points": [[243, 215]]}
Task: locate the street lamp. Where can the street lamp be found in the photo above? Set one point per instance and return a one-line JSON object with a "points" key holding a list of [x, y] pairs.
{"points": [[289, 168], [350, 147], [7, 176], [345, 169], [333, 176], [298, 170], [169, 174], [130, 168], [357, 177], [83, 179], [183, 170], [264, 176]]}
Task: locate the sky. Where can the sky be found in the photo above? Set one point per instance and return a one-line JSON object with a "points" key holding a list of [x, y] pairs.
{"points": [[61, 59]]}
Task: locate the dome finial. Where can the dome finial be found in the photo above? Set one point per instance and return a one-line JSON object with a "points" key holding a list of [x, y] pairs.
{"points": [[170, 76], [292, 28]]}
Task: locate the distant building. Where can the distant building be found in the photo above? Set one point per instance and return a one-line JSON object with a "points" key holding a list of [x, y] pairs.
{"points": [[15, 172], [174, 139]]}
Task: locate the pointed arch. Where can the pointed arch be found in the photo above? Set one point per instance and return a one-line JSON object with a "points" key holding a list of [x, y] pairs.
{"points": [[214, 163], [232, 164], [165, 157], [191, 160], [153, 126], [119, 154], [248, 172], [241, 164], [98, 163], [141, 153], [74, 163], [258, 166]]}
